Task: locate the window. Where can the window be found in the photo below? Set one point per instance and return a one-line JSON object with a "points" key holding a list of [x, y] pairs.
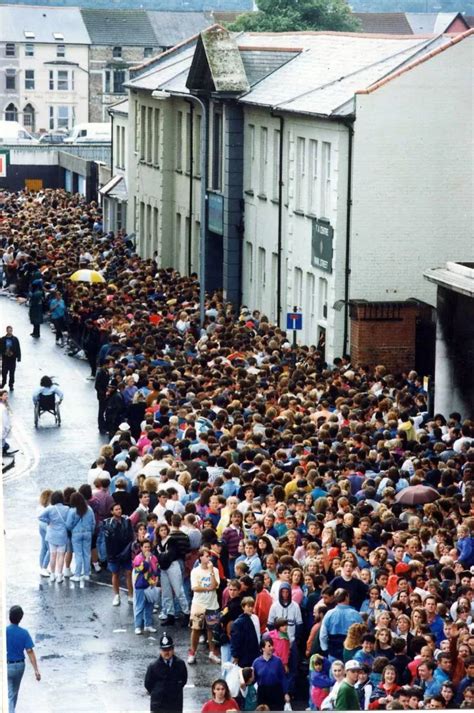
{"points": [[142, 132], [114, 81], [29, 117], [300, 172], [29, 78], [250, 262], [148, 52], [156, 138], [10, 79], [216, 176], [250, 162], [124, 148], [197, 144], [60, 50], [10, 50], [313, 176], [142, 224], [323, 298], [118, 147], [326, 180], [262, 179], [148, 227], [262, 270], [179, 141], [298, 291], [189, 139], [276, 164], [29, 50], [149, 135], [177, 230], [310, 296], [51, 79], [155, 227], [62, 117], [117, 52], [63, 80], [11, 113], [51, 117]]}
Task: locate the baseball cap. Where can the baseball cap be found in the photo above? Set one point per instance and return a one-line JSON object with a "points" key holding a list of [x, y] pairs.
{"points": [[352, 665]]}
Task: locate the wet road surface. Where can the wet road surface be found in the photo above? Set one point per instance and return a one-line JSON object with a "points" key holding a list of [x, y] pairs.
{"points": [[89, 657]]}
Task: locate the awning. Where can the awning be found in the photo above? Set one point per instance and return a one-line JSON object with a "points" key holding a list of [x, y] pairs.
{"points": [[115, 188]]}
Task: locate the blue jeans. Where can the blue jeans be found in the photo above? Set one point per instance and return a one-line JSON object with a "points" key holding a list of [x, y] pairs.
{"points": [[171, 587], [44, 551], [142, 609], [15, 674], [81, 546], [101, 551]]}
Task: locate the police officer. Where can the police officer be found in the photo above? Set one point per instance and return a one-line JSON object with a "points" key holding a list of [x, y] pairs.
{"points": [[165, 679], [11, 354]]}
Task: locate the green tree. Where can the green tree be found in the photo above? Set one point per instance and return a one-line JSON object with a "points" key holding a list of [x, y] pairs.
{"points": [[295, 15]]}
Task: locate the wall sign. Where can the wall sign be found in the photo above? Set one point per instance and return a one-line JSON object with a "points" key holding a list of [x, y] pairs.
{"points": [[321, 245], [215, 213], [4, 156]]}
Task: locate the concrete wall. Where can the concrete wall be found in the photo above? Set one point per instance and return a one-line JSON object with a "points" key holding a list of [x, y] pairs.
{"points": [[413, 178], [303, 285]]}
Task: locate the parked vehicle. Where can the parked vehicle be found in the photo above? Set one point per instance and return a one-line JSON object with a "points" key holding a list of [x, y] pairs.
{"points": [[54, 137], [89, 133], [11, 132]]}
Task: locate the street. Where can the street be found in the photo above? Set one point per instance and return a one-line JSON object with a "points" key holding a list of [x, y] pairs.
{"points": [[89, 657]]}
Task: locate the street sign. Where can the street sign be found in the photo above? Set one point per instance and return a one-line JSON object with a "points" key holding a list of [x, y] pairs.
{"points": [[294, 320], [321, 245], [215, 213]]}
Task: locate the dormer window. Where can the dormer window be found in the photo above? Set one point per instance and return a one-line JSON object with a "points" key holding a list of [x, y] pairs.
{"points": [[29, 35], [58, 36], [117, 52]]}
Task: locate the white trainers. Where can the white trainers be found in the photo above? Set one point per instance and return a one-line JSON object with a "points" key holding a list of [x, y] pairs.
{"points": [[60, 578], [97, 567], [138, 630], [150, 629], [85, 577], [191, 657], [67, 572], [52, 577], [116, 600], [202, 639], [75, 579], [214, 658], [44, 572]]}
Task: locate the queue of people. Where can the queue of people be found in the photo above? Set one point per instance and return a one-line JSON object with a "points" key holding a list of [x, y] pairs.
{"points": [[250, 491]]}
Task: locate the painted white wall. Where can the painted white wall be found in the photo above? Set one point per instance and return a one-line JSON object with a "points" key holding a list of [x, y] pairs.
{"points": [[413, 178], [302, 284]]}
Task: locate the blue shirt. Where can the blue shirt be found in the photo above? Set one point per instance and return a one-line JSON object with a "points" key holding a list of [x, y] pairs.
{"points": [[336, 622], [18, 639], [270, 673]]}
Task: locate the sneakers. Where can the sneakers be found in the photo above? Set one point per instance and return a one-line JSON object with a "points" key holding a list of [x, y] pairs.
{"points": [[44, 572], [75, 578], [97, 567], [150, 629], [191, 657], [60, 578], [67, 572], [52, 577], [202, 639], [85, 577], [214, 658], [139, 631], [130, 599], [116, 600]]}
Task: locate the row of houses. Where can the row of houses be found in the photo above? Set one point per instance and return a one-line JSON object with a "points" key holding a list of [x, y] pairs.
{"points": [[61, 66], [338, 167]]}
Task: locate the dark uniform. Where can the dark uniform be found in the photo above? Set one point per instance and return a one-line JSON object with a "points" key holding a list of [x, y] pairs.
{"points": [[165, 680], [11, 353]]}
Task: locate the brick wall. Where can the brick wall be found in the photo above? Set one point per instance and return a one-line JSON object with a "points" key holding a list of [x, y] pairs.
{"points": [[384, 339]]}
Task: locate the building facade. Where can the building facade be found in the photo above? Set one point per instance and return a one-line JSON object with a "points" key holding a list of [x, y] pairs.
{"points": [[114, 194], [319, 196], [44, 55]]}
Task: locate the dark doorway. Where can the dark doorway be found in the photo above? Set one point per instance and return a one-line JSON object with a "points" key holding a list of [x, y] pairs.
{"points": [[425, 342]]}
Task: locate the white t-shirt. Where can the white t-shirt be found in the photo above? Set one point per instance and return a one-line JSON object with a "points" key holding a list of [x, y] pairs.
{"points": [[202, 578]]}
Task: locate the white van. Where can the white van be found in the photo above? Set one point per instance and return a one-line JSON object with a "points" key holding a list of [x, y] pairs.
{"points": [[11, 132], [89, 133]]}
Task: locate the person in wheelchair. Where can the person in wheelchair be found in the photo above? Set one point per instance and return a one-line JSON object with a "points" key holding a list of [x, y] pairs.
{"points": [[48, 396]]}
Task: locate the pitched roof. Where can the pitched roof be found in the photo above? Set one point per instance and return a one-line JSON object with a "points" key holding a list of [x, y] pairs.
{"points": [[217, 64], [316, 73], [119, 27], [43, 22], [170, 28], [389, 23], [434, 22]]}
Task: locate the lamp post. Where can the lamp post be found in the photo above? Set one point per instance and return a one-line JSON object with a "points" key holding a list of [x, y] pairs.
{"points": [[160, 94]]}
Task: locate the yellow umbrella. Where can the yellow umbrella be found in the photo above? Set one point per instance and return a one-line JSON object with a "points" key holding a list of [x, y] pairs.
{"points": [[87, 276]]}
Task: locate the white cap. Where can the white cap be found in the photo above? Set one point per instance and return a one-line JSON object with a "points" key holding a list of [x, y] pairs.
{"points": [[353, 665]]}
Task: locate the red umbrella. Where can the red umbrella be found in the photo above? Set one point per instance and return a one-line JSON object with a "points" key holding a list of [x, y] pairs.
{"points": [[417, 495]]}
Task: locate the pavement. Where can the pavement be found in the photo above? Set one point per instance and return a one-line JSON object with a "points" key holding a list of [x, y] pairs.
{"points": [[89, 656]]}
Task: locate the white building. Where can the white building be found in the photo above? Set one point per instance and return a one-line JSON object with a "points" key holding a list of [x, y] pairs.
{"points": [[114, 192], [44, 54], [347, 188]]}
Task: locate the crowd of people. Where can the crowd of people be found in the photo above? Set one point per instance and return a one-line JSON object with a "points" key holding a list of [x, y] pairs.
{"points": [[250, 491]]}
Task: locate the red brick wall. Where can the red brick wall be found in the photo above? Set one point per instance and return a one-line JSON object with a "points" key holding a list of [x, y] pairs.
{"points": [[390, 342]]}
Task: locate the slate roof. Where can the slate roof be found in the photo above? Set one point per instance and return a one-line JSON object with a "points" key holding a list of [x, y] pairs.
{"points": [[119, 28], [388, 23], [170, 28], [43, 21], [430, 22], [321, 75]]}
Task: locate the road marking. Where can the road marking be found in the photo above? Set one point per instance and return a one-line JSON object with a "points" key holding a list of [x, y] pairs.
{"points": [[28, 449]]}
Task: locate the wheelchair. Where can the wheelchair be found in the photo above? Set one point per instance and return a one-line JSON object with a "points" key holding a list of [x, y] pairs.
{"points": [[47, 404]]}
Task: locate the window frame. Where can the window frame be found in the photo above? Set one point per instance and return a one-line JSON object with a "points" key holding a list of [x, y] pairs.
{"points": [[10, 49], [29, 49], [31, 79], [10, 80]]}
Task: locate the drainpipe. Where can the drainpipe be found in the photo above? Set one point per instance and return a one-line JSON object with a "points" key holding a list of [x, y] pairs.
{"points": [[347, 269], [280, 216], [111, 144], [191, 186]]}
